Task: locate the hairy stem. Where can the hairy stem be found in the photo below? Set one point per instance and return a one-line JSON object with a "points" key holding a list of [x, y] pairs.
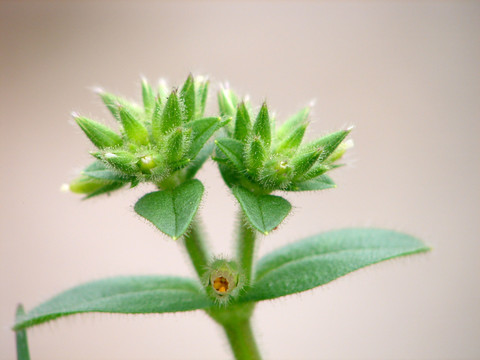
{"points": [[241, 339], [197, 248], [246, 248]]}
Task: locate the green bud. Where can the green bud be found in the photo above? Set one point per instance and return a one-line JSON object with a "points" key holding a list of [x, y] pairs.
{"points": [[227, 102], [86, 184], [304, 161], [187, 95], [223, 280], [262, 126], [277, 173], [134, 129], [148, 97], [255, 154], [100, 135], [291, 142], [172, 115], [121, 160], [146, 163], [292, 123], [243, 125]]}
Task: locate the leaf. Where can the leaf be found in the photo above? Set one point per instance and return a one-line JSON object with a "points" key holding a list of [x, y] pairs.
{"points": [[233, 150], [172, 211], [202, 131], [265, 212], [319, 259], [199, 160], [171, 116], [328, 143], [292, 123], [261, 127], [124, 294], [243, 125], [319, 183], [187, 94], [100, 135], [99, 170], [106, 189], [148, 97], [133, 127], [21, 337]]}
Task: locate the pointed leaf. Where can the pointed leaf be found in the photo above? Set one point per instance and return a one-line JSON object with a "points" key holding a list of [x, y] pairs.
{"points": [[292, 123], [187, 94], [202, 131], [105, 189], [99, 170], [328, 143], [172, 211], [201, 94], [112, 102], [172, 116], [292, 141], [21, 337], [100, 135], [126, 295], [227, 102], [262, 126], [133, 127], [319, 259], [265, 212], [233, 150], [319, 183], [148, 97], [243, 126]]}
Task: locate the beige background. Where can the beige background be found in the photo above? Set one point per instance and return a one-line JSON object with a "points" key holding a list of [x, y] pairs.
{"points": [[406, 74]]}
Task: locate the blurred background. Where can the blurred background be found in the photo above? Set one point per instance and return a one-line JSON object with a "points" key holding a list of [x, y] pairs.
{"points": [[406, 74]]}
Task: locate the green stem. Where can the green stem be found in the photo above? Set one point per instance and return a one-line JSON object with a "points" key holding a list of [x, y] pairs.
{"points": [[197, 248], [246, 249], [242, 340]]}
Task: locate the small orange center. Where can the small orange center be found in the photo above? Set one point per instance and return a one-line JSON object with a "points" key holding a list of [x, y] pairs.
{"points": [[220, 284]]}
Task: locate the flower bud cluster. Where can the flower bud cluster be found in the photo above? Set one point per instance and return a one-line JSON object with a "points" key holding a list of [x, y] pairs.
{"points": [[258, 157], [158, 142]]}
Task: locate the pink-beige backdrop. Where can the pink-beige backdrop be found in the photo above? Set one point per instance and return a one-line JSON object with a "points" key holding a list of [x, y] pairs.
{"points": [[406, 74]]}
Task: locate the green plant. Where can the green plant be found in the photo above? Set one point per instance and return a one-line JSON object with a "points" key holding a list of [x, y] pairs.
{"points": [[165, 142]]}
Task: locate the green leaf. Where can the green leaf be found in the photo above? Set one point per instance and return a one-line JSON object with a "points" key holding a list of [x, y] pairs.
{"points": [[201, 92], [112, 102], [227, 102], [265, 212], [292, 123], [171, 117], [21, 337], [202, 130], [100, 135], [243, 125], [99, 170], [187, 94], [148, 97], [172, 211], [199, 160], [322, 258], [262, 126], [105, 189], [124, 294], [291, 142], [133, 127], [233, 150], [328, 143], [319, 183]]}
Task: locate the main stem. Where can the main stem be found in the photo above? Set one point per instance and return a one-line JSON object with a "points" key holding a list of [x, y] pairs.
{"points": [[235, 319], [197, 248], [242, 340]]}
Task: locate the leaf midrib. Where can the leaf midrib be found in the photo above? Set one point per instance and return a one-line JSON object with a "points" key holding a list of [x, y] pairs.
{"points": [[336, 252]]}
